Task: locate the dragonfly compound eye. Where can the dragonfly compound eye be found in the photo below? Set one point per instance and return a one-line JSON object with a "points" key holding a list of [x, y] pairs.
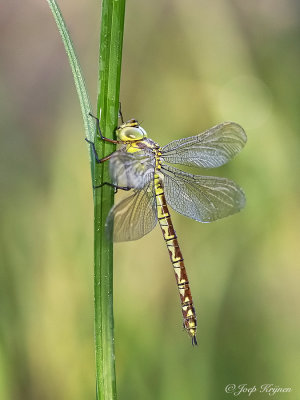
{"points": [[131, 133]]}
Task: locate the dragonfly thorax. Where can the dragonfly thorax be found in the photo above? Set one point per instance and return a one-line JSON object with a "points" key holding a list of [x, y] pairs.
{"points": [[131, 131]]}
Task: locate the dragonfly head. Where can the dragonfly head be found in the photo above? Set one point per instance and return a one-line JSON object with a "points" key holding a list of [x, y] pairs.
{"points": [[130, 131]]}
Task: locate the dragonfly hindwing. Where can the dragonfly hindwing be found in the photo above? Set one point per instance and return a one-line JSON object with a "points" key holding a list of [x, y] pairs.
{"points": [[133, 217], [203, 198]]}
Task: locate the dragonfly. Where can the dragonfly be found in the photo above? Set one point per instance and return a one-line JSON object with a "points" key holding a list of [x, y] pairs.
{"points": [[146, 170]]}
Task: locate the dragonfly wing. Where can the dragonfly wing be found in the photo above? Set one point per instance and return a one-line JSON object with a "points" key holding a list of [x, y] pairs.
{"points": [[134, 170], [209, 149], [203, 198], [133, 217]]}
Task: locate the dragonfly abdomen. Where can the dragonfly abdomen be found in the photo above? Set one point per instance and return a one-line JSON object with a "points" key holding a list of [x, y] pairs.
{"points": [[169, 234]]}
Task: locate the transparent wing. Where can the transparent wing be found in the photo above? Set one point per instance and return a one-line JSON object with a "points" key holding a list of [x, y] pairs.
{"points": [[203, 198], [209, 149], [134, 170], [134, 216]]}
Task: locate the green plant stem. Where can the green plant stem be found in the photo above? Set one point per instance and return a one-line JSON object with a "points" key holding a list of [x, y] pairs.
{"points": [[82, 93], [111, 39]]}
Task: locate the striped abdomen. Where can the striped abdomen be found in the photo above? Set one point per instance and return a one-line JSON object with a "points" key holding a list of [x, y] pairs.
{"points": [[188, 311]]}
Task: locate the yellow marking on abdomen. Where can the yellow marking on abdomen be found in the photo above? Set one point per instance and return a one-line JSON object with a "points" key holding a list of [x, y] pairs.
{"points": [[187, 307]]}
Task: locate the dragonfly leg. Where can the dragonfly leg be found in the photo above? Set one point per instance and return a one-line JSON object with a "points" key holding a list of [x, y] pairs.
{"points": [[98, 160], [120, 113], [113, 185], [99, 130]]}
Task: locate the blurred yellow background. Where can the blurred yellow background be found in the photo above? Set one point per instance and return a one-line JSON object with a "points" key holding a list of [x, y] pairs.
{"points": [[186, 67]]}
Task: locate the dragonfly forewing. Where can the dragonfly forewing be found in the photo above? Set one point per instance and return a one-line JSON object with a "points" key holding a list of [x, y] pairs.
{"points": [[203, 198], [209, 149]]}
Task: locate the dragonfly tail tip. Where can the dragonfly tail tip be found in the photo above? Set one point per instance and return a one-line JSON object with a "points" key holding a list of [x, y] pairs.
{"points": [[194, 341]]}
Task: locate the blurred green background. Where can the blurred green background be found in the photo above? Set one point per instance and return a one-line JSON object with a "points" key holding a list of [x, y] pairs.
{"points": [[186, 67]]}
